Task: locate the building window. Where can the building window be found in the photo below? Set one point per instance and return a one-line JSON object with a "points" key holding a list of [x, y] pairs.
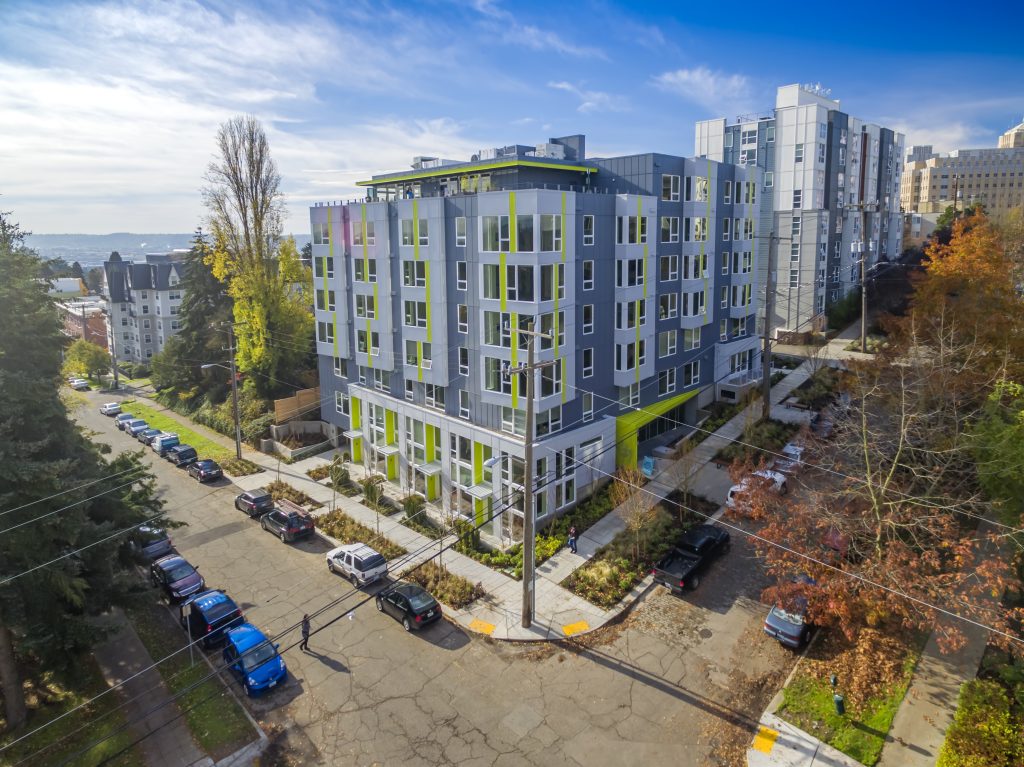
{"points": [[630, 272], [513, 421], [588, 275], [728, 192], [628, 314], [794, 278], [519, 283], [769, 179], [378, 380], [723, 330], [629, 396], [461, 275], [691, 339], [728, 139], [588, 407], [492, 281], [588, 230], [366, 307], [726, 229], [769, 134], [798, 196], [693, 304], [524, 233], [463, 404], [725, 296], [588, 318], [669, 229], [798, 153], [416, 314], [364, 270], [668, 306], [667, 343], [325, 332], [323, 267], [462, 312], [670, 188], [630, 356], [552, 282], [463, 361], [666, 382], [691, 373], [434, 396], [632, 230], [368, 343], [588, 362], [821, 153], [341, 402], [549, 421], [669, 267], [414, 274], [494, 234], [550, 232], [409, 388], [460, 231], [407, 232], [339, 367]]}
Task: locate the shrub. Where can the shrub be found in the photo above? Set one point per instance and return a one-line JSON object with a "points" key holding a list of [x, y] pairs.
{"points": [[240, 467], [453, 590], [279, 490], [844, 311], [257, 428], [319, 473], [984, 732], [817, 390], [767, 435], [341, 526]]}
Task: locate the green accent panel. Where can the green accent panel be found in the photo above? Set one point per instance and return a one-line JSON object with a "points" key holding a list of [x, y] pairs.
{"points": [[429, 441], [355, 408], [478, 462], [419, 360], [391, 426], [479, 510], [626, 426], [655, 350], [512, 229], [426, 274], [357, 450], [515, 357], [432, 483], [473, 168], [369, 347], [503, 281], [392, 467]]}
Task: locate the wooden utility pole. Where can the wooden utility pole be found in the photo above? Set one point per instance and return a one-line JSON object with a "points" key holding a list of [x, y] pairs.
{"points": [[864, 250]]}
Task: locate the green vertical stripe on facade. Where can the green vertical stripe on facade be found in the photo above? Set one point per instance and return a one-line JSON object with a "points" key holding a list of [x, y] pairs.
{"points": [[369, 345], [419, 360], [514, 330], [356, 419], [390, 427], [478, 462], [502, 281], [513, 229]]}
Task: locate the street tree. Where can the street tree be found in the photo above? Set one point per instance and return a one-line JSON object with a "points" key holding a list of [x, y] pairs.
{"points": [[86, 358], [45, 613], [637, 510], [265, 278]]}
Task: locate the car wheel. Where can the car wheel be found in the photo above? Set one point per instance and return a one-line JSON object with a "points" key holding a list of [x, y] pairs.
{"points": [[263, 524], [694, 582], [407, 624], [330, 565], [284, 538], [380, 604], [248, 690], [355, 580]]}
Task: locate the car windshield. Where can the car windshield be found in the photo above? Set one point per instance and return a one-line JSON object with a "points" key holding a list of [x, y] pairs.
{"points": [[261, 498], [788, 617], [206, 464], [257, 656], [420, 600], [179, 571], [368, 563], [219, 611]]}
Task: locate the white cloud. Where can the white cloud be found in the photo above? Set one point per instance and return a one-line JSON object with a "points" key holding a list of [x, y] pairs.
{"points": [[592, 101], [509, 29], [718, 92]]}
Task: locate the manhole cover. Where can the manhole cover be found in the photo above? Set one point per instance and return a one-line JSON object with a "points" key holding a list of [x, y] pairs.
{"points": [[706, 633]]}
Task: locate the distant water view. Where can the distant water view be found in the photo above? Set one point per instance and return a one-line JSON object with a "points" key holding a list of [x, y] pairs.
{"points": [[94, 249]]}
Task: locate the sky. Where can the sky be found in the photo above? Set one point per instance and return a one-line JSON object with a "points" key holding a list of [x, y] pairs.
{"points": [[109, 110]]}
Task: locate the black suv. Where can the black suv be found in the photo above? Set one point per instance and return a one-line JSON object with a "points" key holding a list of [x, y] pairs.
{"points": [[255, 503], [288, 525], [181, 455]]}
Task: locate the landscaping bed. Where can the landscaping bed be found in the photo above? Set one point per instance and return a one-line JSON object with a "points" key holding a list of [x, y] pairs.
{"points": [[616, 568], [319, 473], [446, 587], [218, 723], [55, 694], [766, 436], [341, 526], [279, 490], [873, 673], [721, 414], [818, 390], [873, 344], [157, 419], [240, 467]]}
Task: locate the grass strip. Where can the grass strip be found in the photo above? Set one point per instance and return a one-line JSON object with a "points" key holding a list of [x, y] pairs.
{"points": [[164, 421]]}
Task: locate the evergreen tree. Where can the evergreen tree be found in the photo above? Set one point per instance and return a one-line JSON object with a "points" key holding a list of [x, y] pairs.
{"points": [[44, 614]]}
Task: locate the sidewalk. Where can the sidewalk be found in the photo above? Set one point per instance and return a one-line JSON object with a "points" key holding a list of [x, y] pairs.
{"points": [[168, 741]]}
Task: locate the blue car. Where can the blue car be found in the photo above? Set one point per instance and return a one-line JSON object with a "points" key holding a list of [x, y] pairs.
{"points": [[253, 659]]}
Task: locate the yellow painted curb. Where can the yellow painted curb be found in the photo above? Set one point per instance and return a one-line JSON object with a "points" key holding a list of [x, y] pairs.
{"points": [[765, 739], [481, 627], [575, 628]]}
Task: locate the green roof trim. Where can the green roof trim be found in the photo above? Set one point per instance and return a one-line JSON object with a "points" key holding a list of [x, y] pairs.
{"points": [[627, 426], [464, 168]]}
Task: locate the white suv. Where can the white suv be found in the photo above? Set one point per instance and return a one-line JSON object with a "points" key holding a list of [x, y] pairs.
{"points": [[357, 562], [772, 479]]}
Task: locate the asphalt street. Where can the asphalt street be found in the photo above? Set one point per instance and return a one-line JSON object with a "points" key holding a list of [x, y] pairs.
{"points": [[679, 681]]}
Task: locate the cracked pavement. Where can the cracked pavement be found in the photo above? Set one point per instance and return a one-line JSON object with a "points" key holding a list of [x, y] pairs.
{"points": [[680, 680]]}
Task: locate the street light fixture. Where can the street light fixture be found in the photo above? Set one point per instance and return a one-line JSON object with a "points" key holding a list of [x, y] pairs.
{"points": [[234, 401]]}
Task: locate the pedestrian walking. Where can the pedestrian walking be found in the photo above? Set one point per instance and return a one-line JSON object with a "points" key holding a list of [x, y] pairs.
{"points": [[572, 539], [304, 644]]}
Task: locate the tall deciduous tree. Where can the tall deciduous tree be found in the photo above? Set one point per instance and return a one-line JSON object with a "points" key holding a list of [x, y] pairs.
{"points": [[86, 358], [43, 614], [270, 288]]}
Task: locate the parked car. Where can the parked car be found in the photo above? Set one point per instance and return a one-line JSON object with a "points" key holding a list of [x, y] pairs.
{"points": [[411, 604], [181, 455], [208, 614], [255, 502], [736, 498], [791, 460], [79, 384], [146, 435], [150, 542], [134, 427], [121, 419], [253, 659], [176, 577], [164, 442], [110, 408], [357, 562], [788, 623], [205, 470], [698, 546], [290, 522]]}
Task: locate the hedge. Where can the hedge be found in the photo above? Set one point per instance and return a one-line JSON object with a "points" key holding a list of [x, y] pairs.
{"points": [[985, 732]]}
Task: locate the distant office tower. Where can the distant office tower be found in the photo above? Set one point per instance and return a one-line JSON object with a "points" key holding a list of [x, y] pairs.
{"points": [[142, 302], [993, 177], [638, 269], [827, 177]]}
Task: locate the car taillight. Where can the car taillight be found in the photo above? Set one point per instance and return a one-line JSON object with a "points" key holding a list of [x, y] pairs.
{"points": [[419, 618], [681, 584], [209, 627]]}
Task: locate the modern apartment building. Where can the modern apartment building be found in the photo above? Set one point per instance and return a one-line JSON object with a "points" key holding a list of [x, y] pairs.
{"points": [[827, 177], [638, 270], [142, 302], [994, 177]]}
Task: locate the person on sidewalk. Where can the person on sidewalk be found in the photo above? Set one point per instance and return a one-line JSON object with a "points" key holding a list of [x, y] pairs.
{"points": [[304, 644], [572, 539]]}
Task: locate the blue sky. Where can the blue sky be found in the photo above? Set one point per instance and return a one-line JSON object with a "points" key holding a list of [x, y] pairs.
{"points": [[108, 110]]}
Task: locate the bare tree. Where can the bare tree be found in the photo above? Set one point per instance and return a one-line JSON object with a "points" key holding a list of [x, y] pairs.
{"points": [[635, 507]]}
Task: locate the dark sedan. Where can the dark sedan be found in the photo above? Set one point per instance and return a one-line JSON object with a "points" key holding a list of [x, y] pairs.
{"points": [[205, 470], [254, 502], [411, 604], [288, 525], [176, 577]]}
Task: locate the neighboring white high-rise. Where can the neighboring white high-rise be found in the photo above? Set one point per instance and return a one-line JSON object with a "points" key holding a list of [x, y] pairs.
{"points": [[829, 177]]}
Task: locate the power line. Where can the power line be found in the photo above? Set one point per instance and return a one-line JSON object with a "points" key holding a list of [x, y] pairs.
{"points": [[76, 503], [69, 490]]}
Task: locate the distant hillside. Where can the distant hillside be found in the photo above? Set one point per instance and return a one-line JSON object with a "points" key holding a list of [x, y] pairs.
{"points": [[94, 249]]}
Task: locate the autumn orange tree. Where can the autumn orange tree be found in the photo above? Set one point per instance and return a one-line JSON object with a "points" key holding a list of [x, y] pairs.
{"points": [[902, 506]]}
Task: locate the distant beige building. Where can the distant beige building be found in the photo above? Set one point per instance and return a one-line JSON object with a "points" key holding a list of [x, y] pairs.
{"points": [[993, 177]]}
